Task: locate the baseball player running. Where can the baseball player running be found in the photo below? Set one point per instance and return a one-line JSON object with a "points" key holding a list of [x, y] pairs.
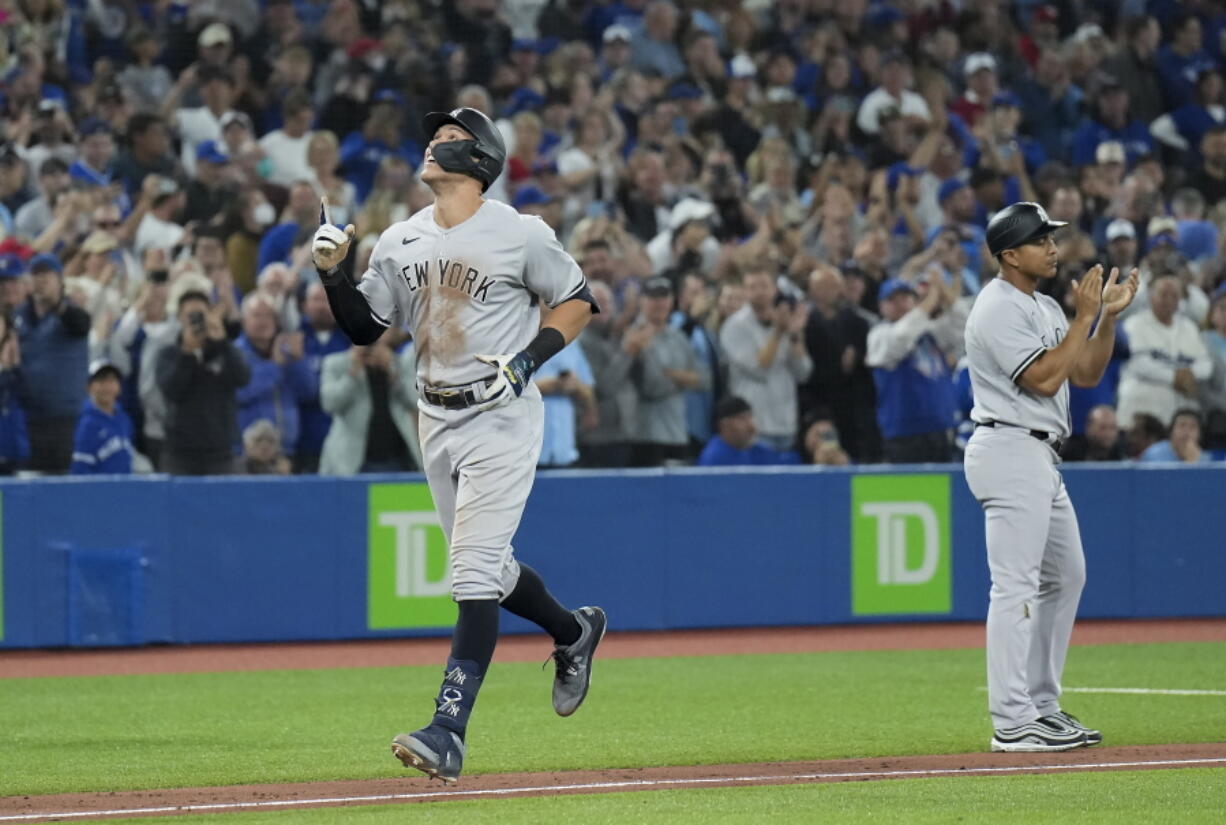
{"points": [[466, 275], [1022, 353]]}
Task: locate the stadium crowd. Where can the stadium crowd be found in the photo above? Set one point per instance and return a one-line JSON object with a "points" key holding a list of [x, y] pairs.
{"points": [[779, 204]]}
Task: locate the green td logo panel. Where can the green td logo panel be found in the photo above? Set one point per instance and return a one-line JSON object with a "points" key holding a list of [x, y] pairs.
{"points": [[900, 549], [408, 568]]}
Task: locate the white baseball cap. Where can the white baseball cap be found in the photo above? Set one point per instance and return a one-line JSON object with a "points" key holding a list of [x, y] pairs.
{"points": [[1121, 228], [689, 209], [978, 61], [617, 32], [742, 66], [1110, 151], [214, 34], [1159, 224]]}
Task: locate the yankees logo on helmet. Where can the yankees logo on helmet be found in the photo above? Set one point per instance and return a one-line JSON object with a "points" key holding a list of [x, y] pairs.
{"points": [[482, 157]]}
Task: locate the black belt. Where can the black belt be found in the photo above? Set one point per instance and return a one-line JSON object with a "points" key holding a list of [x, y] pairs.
{"points": [[452, 398], [1057, 444]]}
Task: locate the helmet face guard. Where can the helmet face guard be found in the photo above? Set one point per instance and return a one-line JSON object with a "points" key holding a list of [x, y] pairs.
{"points": [[481, 157]]}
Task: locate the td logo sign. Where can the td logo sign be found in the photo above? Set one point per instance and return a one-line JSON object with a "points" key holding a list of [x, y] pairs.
{"points": [[900, 558], [408, 570]]}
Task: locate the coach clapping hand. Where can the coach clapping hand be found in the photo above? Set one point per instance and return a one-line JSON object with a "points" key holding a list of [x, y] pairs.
{"points": [[1088, 292]]}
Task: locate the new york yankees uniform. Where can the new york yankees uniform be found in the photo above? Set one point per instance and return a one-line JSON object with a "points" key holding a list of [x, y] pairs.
{"points": [[1033, 543], [473, 288]]}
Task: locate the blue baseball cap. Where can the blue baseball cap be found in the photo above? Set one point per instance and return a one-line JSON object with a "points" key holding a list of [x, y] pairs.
{"points": [[684, 91], [949, 188], [1006, 98], [210, 152], [11, 266], [388, 96], [531, 196], [523, 99], [94, 126], [893, 286], [896, 172], [46, 260], [524, 44]]}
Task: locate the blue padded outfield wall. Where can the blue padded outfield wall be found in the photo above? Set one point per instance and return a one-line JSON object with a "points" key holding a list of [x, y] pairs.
{"points": [[146, 560]]}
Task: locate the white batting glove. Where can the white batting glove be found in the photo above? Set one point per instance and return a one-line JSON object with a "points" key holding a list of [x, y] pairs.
{"points": [[330, 246], [509, 384]]}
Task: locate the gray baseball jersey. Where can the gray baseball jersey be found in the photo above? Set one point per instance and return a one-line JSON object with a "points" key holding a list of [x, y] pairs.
{"points": [[1006, 332], [471, 289]]}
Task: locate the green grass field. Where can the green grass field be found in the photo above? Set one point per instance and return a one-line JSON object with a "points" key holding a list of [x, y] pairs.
{"points": [[129, 732]]}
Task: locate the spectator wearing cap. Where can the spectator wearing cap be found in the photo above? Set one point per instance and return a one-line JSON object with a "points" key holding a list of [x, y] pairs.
{"points": [[688, 242], [320, 338], [1001, 140], [765, 347], [654, 47], [567, 387], [1111, 121], [147, 153], [48, 135], [1051, 103], [53, 334], [894, 93], [1182, 59], [299, 224], [1168, 356], [145, 83], [280, 378], [1043, 33], [161, 227], [14, 285], [836, 337], [209, 193], [1198, 238], [735, 443], [615, 51], [982, 84], [958, 212], [910, 353], [1162, 257], [95, 163], [197, 124], [380, 136], [1182, 444], [732, 116], [664, 367], [287, 147], [532, 201], [199, 375], [1210, 177], [33, 218], [14, 435], [1121, 244], [1183, 128], [102, 444], [1136, 68]]}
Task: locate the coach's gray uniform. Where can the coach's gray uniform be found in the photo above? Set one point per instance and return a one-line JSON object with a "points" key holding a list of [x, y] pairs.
{"points": [[1034, 547], [469, 290]]}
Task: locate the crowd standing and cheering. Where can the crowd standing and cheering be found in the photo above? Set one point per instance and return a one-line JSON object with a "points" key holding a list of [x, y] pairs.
{"points": [[780, 207]]}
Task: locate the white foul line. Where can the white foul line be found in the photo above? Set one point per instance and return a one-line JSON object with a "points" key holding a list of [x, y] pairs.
{"points": [[1147, 691], [605, 786]]}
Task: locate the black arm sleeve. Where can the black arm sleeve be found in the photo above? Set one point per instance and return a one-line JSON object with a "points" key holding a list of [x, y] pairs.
{"points": [[349, 306]]}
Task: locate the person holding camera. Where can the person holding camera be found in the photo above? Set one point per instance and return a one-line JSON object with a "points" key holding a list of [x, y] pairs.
{"points": [[200, 377], [765, 346]]}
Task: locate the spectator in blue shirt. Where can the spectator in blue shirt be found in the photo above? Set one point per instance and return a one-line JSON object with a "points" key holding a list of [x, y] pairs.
{"points": [[320, 338], [279, 377], [1180, 61], [278, 243], [735, 444], [14, 438], [103, 442], [654, 47], [363, 151], [1182, 444], [55, 353], [567, 386], [958, 207], [1111, 121]]}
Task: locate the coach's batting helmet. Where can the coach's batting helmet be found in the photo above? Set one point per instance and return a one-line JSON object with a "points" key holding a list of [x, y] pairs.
{"points": [[1019, 224], [481, 158]]}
